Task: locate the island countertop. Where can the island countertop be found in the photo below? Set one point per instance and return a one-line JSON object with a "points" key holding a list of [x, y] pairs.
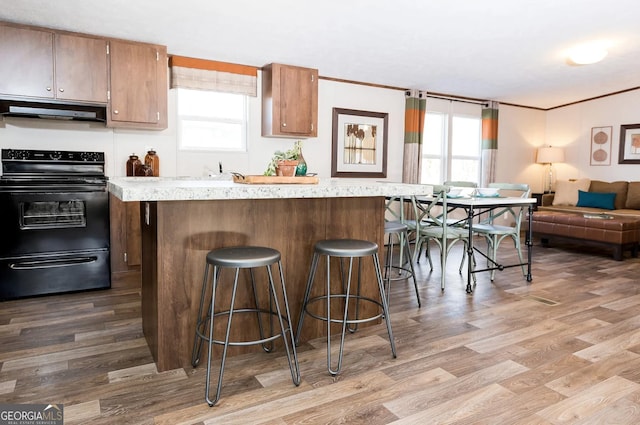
{"points": [[184, 189]]}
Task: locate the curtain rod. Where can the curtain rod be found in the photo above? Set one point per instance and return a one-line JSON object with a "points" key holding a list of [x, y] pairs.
{"points": [[458, 99]]}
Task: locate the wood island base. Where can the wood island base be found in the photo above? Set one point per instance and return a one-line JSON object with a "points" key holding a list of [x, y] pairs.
{"points": [[177, 235]]}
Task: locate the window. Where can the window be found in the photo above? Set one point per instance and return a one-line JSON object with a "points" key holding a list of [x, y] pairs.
{"points": [[211, 121], [452, 141]]}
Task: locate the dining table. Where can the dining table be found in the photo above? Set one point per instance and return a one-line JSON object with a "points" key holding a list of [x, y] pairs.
{"points": [[475, 206]]}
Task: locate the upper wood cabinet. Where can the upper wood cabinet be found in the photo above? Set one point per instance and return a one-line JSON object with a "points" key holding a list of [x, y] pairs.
{"points": [[43, 64], [81, 68], [138, 85], [289, 101]]}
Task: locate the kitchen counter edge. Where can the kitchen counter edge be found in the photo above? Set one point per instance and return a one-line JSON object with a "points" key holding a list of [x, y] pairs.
{"points": [[193, 189]]}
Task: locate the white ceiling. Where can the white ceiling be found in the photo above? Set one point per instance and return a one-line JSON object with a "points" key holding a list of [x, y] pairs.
{"points": [[506, 50]]}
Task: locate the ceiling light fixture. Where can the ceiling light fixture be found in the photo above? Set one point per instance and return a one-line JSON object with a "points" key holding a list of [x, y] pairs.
{"points": [[588, 53]]}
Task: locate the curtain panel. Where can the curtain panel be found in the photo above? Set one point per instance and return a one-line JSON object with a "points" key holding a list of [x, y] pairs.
{"points": [[202, 74], [415, 109], [489, 143]]}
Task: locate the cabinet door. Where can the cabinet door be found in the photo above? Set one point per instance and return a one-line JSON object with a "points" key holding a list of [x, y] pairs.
{"points": [[298, 100], [138, 85], [125, 234], [81, 68], [289, 101], [26, 63]]}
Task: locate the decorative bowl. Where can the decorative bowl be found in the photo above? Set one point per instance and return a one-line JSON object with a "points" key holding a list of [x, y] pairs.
{"points": [[454, 193], [488, 191]]}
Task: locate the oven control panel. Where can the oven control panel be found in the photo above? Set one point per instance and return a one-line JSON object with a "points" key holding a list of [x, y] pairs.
{"points": [[43, 156]]}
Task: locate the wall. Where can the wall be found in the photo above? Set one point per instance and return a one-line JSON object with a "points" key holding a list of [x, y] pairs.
{"points": [[118, 144], [571, 127], [520, 132]]}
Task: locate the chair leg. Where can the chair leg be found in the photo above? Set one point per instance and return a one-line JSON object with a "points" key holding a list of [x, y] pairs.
{"points": [[413, 272], [267, 347], [226, 340], [335, 371], [352, 328], [198, 340], [292, 356], [516, 242], [385, 306], [307, 292], [494, 255], [464, 255]]}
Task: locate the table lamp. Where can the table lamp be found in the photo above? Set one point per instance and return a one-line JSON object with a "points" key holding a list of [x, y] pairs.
{"points": [[549, 155]]}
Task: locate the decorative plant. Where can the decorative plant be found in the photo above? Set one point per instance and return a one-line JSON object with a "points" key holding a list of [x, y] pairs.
{"points": [[291, 154]]}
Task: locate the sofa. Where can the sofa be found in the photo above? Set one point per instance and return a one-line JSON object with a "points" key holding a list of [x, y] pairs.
{"points": [[619, 198], [592, 212]]}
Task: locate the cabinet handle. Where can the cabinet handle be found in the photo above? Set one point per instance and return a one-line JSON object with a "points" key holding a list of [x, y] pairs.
{"points": [[48, 88], [115, 112], [61, 90], [284, 124]]}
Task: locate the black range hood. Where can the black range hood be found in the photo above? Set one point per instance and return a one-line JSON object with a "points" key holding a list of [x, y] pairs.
{"points": [[19, 108]]}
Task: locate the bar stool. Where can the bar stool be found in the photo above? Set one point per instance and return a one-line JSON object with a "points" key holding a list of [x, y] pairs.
{"points": [[245, 257], [343, 249], [401, 231]]}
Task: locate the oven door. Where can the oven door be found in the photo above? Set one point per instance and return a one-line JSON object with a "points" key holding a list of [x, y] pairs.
{"points": [[53, 273], [35, 222]]}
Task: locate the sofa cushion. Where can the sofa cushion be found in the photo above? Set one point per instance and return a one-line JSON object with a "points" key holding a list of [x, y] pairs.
{"points": [[619, 188], [633, 196], [567, 191], [596, 200]]}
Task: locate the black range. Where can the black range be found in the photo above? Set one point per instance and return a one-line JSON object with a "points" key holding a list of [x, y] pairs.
{"points": [[54, 223]]}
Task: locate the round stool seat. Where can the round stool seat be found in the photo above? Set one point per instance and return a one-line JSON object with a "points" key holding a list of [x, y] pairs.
{"points": [[243, 257], [346, 248], [394, 227]]}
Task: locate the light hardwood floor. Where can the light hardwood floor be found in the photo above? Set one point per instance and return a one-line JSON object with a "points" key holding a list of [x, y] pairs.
{"points": [[563, 349]]}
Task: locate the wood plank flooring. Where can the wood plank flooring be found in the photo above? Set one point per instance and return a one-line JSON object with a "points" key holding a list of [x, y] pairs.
{"points": [[564, 349]]}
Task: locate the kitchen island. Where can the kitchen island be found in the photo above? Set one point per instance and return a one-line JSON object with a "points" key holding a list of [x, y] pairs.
{"points": [[183, 219]]}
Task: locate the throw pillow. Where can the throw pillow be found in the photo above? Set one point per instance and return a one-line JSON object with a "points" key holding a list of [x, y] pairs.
{"points": [[596, 200], [619, 188], [633, 196], [567, 191]]}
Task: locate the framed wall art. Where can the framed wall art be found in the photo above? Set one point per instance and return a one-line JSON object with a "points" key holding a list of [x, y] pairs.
{"points": [[359, 143], [629, 144], [600, 146]]}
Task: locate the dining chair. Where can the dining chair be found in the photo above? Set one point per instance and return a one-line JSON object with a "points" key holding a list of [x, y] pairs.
{"points": [[396, 211], [459, 188], [397, 225], [466, 186], [494, 233], [432, 225]]}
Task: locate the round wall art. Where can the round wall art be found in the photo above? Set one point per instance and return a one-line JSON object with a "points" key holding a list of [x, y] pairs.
{"points": [[600, 146]]}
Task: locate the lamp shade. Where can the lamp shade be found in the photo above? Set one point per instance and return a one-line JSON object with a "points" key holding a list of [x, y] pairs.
{"points": [[549, 155]]}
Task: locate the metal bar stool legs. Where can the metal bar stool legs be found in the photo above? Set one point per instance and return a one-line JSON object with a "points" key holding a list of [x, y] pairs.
{"points": [[400, 230], [242, 258], [344, 249]]}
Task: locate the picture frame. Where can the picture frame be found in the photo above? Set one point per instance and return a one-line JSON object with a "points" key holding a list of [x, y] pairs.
{"points": [[629, 144], [359, 143], [600, 146]]}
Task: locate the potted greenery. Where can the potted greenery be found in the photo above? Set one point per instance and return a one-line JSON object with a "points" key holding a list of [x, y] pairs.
{"points": [[284, 163]]}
